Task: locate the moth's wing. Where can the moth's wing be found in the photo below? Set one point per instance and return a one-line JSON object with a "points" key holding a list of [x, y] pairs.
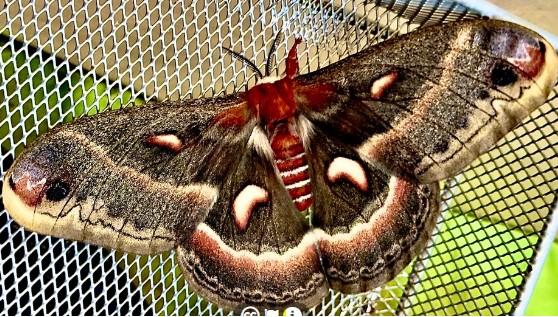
{"points": [[119, 180], [370, 224], [429, 102], [104, 180], [264, 258]]}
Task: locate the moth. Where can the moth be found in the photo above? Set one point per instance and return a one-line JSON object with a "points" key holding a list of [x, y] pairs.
{"points": [[303, 183]]}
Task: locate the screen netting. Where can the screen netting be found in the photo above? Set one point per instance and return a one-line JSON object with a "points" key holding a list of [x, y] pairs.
{"points": [[64, 59]]}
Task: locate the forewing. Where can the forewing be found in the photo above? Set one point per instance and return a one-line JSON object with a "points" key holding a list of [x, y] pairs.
{"points": [[369, 224], [427, 103], [263, 256], [128, 179]]}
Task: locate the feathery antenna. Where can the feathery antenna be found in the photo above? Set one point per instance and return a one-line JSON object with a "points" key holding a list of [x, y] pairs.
{"points": [[272, 50], [246, 61]]}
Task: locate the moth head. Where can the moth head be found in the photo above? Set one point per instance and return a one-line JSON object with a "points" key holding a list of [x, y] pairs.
{"points": [[272, 102], [43, 175], [272, 98]]}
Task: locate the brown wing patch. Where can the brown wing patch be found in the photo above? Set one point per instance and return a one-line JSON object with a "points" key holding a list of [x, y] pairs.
{"points": [[374, 252], [112, 221], [98, 181], [459, 89], [231, 277], [487, 82], [366, 234], [272, 260]]}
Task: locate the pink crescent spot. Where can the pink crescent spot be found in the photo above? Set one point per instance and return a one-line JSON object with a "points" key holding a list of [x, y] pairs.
{"points": [[351, 170], [245, 202], [382, 84], [167, 141]]}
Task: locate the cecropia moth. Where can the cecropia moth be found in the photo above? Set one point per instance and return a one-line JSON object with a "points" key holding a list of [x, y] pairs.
{"points": [[228, 182]]}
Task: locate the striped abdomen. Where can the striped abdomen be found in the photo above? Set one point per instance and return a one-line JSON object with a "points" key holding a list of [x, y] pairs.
{"points": [[290, 160]]}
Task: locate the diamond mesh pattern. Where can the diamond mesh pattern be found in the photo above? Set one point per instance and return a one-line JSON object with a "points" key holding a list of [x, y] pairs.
{"points": [[61, 60]]}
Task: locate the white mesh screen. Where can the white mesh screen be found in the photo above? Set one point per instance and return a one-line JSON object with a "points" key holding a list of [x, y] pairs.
{"points": [[65, 59]]}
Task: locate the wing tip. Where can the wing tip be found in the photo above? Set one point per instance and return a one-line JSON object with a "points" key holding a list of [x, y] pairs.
{"points": [[548, 78], [21, 212]]}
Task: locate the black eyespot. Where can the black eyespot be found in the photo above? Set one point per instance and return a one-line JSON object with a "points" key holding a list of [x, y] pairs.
{"points": [[483, 94], [441, 146], [141, 223], [503, 74], [57, 191], [463, 122], [11, 182], [542, 47], [237, 292]]}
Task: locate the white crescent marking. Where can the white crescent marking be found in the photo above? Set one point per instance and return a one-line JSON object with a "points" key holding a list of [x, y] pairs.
{"points": [[380, 85], [245, 202], [342, 167], [168, 141]]}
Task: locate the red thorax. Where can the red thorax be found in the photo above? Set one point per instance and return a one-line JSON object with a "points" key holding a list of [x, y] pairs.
{"points": [[273, 103]]}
